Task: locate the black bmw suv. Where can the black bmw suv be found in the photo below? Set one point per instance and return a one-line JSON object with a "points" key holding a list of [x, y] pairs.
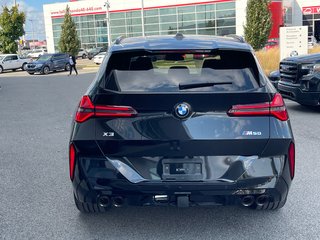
{"points": [[161, 125]]}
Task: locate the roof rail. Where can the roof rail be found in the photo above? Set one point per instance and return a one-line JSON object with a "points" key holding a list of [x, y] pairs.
{"points": [[119, 39], [236, 37]]}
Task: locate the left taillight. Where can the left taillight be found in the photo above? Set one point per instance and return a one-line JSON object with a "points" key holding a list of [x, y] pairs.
{"points": [[275, 108], [72, 160], [87, 110]]}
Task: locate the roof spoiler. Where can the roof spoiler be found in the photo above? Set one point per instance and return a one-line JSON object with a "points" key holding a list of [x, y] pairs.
{"points": [[119, 39], [236, 37]]}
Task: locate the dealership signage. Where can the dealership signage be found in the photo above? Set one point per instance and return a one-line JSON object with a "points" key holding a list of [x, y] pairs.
{"points": [[293, 41], [78, 10], [311, 10]]}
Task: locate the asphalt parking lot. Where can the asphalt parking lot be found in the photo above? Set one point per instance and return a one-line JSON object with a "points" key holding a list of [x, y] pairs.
{"points": [[36, 195]]}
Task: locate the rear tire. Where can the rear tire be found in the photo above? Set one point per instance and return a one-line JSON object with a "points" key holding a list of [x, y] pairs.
{"points": [[1, 69], [86, 207], [84, 56], [67, 67]]}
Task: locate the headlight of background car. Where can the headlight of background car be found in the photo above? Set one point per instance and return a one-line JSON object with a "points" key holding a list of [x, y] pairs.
{"points": [[307, 68], [316, 68], [311, 68], [38, 65]]}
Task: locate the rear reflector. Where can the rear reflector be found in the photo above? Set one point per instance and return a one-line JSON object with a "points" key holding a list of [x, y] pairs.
{"points": [[72, 160], [87, 110], [291, 158], [275, 108]]}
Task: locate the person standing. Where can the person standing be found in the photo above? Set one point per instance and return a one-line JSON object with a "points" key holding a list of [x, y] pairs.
{"points": [[72, 62]]}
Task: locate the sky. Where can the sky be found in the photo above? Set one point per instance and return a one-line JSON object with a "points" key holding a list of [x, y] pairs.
{"points": [[34, 25]]}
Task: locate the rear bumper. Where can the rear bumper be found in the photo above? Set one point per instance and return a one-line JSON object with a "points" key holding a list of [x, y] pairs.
{"points": [[89, 186], [294, 92], [144, 194]]}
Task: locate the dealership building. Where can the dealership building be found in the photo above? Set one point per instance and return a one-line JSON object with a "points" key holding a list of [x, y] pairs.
{"points": [[161, 17]]}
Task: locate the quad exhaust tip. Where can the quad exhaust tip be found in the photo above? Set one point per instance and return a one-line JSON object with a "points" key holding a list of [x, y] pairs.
{"points": [[262, 199], [247, 201], [118, 201], [104, 201]]}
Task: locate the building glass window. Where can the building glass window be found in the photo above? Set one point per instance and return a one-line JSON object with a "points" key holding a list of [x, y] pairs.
{"points": [[151, 27], [117, 15], [166, 11], [149, 20], [226, 14], [153, 12], [168, 18], [133, 14], [209, 19], [226, 5]]}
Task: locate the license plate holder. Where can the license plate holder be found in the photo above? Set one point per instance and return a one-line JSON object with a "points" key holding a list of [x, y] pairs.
{"points": [[182, 169]]}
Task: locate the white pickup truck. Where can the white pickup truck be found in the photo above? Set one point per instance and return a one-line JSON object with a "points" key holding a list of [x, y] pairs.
{"points": [[12, 62]]}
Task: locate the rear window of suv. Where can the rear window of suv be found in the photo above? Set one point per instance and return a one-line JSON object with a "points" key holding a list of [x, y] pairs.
{"points": [[181, 71]]}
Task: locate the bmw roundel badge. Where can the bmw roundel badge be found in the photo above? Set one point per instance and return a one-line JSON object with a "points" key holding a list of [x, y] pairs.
{"points": [[182, 110]]}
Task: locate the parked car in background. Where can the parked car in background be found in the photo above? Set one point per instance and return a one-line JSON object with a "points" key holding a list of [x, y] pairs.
{"points": [[312, 42], [12, 62], [271, 43], [171, 132], [95, 51], [300, 79], [82, 53], [274, 78], [97, 59], [49, 63], [37, 53]]}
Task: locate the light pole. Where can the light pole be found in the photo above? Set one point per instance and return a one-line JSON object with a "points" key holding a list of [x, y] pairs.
{"points": [[31, 20], [142, 17], [107, 5]]}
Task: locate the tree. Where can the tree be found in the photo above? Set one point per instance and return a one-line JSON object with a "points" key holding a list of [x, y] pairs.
{"points": [[11, 29], [69, 41], [259, 23]]}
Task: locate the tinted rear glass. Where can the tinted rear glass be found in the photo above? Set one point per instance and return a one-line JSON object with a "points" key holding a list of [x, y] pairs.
{"points": [[166, 71]]}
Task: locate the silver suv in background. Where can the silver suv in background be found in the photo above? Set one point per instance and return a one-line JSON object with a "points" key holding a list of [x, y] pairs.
{"points": [[12, 62], [82, 53]]}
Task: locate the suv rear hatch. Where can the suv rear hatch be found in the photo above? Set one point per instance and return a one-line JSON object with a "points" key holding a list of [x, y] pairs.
{"points": [[142, 128]]}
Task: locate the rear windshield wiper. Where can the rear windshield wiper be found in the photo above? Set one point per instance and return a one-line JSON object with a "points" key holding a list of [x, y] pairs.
{"points": [[183, 86]]}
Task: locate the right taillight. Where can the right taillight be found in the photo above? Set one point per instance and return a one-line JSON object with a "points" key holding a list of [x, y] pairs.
{"points": [[275, 108], [278, 108], [87, 110], [291, 158]]}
